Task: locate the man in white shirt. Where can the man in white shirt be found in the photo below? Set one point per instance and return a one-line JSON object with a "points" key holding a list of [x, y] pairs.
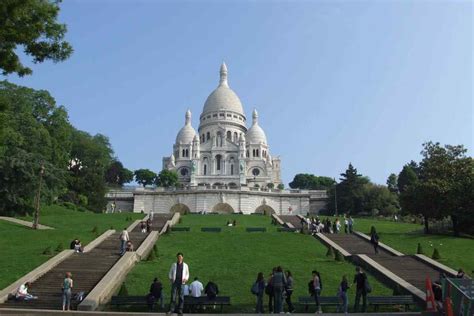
{"points": [[22, 292], [196, 288], [123, 241], [178, 275]]}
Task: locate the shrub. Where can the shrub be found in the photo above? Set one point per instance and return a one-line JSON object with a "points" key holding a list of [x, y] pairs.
{"points": [[281, 186], [436, 254], [123, 290], [95, 230], [330, 252], [338, 256], [60, 247], [70, 206], [270, 185], [82, 209], [151, 256], [83, 200], [419, 250], [48, 251]]}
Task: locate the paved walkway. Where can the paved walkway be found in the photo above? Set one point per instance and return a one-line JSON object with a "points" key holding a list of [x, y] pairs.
{"points": [[87, 270], [24, 223]]}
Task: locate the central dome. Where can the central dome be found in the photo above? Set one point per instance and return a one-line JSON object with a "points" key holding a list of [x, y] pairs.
{"points": [[223, 98]]}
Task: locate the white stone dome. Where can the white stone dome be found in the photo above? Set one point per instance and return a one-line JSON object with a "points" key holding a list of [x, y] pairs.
{"points": [[223, 98], [187, 133], [255, 134]]}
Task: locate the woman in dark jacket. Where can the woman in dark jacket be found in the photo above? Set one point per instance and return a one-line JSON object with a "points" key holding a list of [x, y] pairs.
{"points": [[261, 289], [289, 291], [374, 239], [279, 284]]}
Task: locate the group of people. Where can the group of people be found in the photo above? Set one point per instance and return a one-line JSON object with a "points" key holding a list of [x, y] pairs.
{"points": [[316, 225], [278, 286], [145, 226], [76, 246]]}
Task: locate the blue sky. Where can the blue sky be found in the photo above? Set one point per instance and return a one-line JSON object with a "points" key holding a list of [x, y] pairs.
{"points": [[334, 82]]}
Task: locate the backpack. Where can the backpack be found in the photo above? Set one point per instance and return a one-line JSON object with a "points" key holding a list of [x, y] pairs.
{"points": [[254, 288]]}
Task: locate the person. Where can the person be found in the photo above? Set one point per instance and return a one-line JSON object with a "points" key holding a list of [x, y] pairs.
{"points": [[148, 225], [73, 244], [351, 224], [67, 291], [279, 284], [178, 275], [360, 280], [289, 291], [374, 239], [269, 291], [129, 246], [460, 274], [22, 292], [260, 284], [152, 214], [342, 294], [123, 241], [78, 246], [156, 294], [211, 290], [338, 226], [196, 288], [317, 285], [346, 225], [143, 226]]}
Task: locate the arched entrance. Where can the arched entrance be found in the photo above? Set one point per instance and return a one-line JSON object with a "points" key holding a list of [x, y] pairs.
{"points": [[180, 208], [222, 208], [265, 210]]}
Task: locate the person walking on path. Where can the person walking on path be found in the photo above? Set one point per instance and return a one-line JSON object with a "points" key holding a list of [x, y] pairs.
{"points": [[318, 286], [67, 291], [342, 294], [143, 226], [279, 284], [260, 289], [148, 225], [374, 239], [360, 279], [289, 291], [350, 222], [346, 225], [123, 241], [178, 275]]}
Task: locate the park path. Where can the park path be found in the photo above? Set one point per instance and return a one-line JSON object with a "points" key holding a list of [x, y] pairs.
{"points": [[22, 222], [87, 270]]}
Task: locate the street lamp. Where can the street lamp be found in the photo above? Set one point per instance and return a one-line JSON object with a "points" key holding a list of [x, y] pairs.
{"points": [[38, 199], [335, 195]]}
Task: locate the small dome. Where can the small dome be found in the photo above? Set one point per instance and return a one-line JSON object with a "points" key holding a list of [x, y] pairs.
{"points": [[223, 98], [255, 134], [187, 133]]}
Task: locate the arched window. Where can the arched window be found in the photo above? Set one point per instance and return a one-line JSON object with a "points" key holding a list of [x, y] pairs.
{"points": [[236, 137], [232, 169], [229, 135], [248, 155], [218, 162], [208, 136], [184, 153], [205, 169], [257, 153], [187, 152]]}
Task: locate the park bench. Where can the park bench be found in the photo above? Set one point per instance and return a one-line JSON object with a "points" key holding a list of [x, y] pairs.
{"points": [[211, 229], [180, 229], [306, 301], [191, 303], [376, 301], [286, 229], [255, 229]]}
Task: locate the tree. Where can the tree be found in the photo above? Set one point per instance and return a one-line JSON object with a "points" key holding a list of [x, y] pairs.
{"points": [[31, 24], [144, 176], [407, 177], [311, 182], [349, 192], [392, 183], [116, 174], [280, 186], [379, 199], [167, 178]]}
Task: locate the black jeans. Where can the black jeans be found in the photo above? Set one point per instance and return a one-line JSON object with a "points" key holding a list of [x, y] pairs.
{"points": [[288, 300], [270, 303], [359, 293]]}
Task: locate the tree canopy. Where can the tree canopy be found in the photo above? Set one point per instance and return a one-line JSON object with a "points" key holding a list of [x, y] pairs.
{"points": [[32, 25], [311, 182], [167, 178], [145, 176]]}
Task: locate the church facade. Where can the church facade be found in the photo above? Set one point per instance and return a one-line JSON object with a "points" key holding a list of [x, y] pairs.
{"points": [[223, 152]]}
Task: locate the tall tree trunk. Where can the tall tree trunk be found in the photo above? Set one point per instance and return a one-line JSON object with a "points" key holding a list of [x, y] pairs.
{"points": [[454, 220], [427, 228]]}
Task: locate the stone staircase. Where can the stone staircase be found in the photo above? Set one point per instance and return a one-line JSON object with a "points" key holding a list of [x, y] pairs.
{"points": [[293, 219], [87, 270]]}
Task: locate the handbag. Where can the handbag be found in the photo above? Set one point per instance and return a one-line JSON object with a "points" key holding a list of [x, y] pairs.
{"points": [[367, 286], [254, 288]]}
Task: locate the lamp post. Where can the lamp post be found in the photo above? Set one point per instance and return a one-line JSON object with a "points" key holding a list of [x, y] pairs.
{"points": [[38, 199], [335, 195]]}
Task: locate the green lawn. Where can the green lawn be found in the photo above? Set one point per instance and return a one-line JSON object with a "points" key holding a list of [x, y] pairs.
{"points": [[22, 247], [233, 257], [455, 252]]}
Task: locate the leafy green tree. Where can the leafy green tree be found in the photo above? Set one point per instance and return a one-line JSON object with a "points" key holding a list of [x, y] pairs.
{"points": [[32, 25], [379, 199], [407, 176], [116, 174], [34, 132], [311, 182], [392, 183], [167, 178], [145, 176], [280, 186]]}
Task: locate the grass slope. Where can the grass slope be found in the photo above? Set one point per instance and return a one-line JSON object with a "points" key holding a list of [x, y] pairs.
{"points": [[233, 258], [22, 246]]}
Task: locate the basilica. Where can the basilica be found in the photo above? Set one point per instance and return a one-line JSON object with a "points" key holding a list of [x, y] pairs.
{"points": [[223, 152]]}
